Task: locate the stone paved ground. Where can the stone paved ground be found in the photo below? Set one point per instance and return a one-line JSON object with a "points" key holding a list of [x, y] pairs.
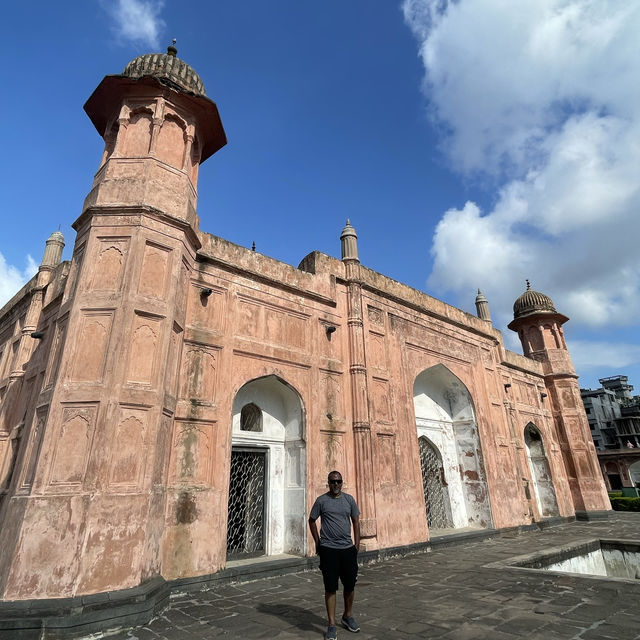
{"points": [[446, 594]]}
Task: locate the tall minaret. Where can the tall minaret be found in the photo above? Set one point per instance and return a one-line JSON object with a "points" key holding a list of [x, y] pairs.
{"points": [[93, 502], [359, 389], [539, 327]]}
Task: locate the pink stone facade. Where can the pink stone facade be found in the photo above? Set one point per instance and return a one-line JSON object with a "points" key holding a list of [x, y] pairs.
{"points": [[119, 422]]}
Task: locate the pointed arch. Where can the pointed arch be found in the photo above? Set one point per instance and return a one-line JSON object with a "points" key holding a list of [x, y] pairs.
{"points": [[445, 416], [268, 438], [540, 472]]}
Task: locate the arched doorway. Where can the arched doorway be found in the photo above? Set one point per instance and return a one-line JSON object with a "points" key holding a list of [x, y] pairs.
{"points": [[434, 485], [266, 507], [540, 472], [445, 418], [612, 471], [634, 474]]}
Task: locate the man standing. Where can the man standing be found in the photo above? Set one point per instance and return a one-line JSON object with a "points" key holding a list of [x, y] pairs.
{"points": [[338, 553]]}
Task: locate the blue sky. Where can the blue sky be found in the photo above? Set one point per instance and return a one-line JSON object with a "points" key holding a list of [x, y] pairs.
{"points": [[472, 144]]}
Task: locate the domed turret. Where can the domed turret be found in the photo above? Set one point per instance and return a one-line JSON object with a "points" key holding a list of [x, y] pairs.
{"points": [[167, 68], [537, 322], [532, 302]]}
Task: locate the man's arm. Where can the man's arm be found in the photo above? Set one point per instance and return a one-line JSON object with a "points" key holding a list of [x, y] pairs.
{"points": [[355, 520], [314, 533]]}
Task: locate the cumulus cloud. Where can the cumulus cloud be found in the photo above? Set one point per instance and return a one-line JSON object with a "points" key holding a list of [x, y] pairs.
{"points": [[596, 356], [137, 21], [13, 278], [540, 99]]}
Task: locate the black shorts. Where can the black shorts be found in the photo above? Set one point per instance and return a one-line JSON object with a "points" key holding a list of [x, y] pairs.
{"points": [[339, 563]]}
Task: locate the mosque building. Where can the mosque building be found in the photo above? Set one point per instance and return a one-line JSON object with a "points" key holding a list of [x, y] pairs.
{"points": [[171, 402]]}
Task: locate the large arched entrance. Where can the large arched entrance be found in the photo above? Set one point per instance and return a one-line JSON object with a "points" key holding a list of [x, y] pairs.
{"points": [[454, 480], [268, 471], [540, 472]]}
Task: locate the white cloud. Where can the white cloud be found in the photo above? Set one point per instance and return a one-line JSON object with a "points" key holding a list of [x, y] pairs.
{"points": [[12, 278], [594, 356], [542, 99], [137, 21]]}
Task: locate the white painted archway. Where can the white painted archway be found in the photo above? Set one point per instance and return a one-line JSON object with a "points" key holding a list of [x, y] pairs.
{"points": [[540, 472], [634, 472], [273, 421], [445, 416]]}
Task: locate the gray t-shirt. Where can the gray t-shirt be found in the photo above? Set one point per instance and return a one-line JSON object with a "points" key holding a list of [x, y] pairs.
{"points": [[336, 514]]}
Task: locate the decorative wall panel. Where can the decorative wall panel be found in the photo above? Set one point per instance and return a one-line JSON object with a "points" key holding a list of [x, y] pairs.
{"points": [[198, 376], [332, 447], [128, 450], [72, 446], [154, 274], [386, 459], [381, 393], [192, 453], [143, 357], [110, 264], [94, 332]]}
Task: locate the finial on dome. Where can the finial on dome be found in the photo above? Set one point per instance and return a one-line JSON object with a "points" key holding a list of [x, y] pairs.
{"points": [[171, 49], [528, 285]]}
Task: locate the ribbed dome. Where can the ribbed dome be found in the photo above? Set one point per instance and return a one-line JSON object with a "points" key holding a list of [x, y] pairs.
{"points": [[532, 302], [56, 236], [167, 68]]}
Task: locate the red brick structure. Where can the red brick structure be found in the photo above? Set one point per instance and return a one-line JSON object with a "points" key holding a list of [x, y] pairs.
{"points": [[170, 400]]}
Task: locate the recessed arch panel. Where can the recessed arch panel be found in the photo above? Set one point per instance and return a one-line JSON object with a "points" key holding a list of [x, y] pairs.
{"points": [[445, 416]]}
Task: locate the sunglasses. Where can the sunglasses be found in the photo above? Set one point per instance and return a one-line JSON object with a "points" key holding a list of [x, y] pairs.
{"points": [[335, 481]]}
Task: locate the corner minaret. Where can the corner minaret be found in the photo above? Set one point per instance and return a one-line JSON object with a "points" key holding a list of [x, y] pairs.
{"points": [[539, 327], [96, 482], [482, 307]]}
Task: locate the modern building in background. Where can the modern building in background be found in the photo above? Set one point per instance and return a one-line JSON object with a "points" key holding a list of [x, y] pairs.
{"points": [[171, 402], [613, 413], [614, 420]]}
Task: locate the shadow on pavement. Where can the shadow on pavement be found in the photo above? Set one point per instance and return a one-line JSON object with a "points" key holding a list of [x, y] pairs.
{"points": [[298, 617]]}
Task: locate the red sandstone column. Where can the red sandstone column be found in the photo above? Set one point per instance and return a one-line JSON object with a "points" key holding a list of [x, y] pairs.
{"points": [[359, 391]]}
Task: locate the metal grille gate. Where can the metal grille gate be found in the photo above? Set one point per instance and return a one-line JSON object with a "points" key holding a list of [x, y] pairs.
{"points": [[245, 526], [436, 496]]}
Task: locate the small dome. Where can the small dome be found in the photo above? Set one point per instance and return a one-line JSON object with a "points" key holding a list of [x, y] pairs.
{"points": [[532, 302], [348, 231], [56, 236], [481, 297], [168, 69]]}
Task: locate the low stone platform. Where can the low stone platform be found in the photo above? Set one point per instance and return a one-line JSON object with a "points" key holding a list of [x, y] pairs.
{"points": [[448, 593]]}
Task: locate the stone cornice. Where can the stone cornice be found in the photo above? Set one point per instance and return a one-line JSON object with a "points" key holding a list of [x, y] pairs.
{"points": [[140, 210]]}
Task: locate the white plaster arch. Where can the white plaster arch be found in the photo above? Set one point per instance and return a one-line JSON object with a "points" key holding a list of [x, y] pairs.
{"points": [[634, 473], [283, 437], [543, 488], [445, 416]]}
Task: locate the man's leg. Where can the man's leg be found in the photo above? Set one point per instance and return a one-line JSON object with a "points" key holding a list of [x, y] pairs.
{"points": [[348, 603], [349, 575], [330, 571], [330, 602]]}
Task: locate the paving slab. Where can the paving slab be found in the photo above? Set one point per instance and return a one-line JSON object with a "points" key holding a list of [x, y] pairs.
{"points": [[449, 594]]}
